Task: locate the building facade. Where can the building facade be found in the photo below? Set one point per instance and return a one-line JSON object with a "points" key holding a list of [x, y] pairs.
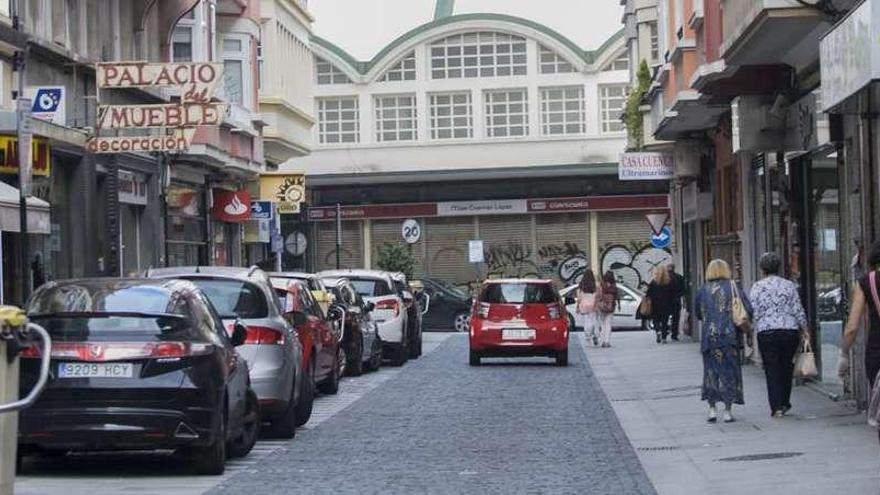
{"points": [[479, 127]]}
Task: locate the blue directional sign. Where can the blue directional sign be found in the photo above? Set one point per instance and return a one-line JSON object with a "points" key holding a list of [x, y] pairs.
{"points": [[663, 239], [261, 210]]}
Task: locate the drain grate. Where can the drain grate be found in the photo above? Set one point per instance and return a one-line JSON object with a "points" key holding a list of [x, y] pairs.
{"points": [[762, 457], [661, 448]]}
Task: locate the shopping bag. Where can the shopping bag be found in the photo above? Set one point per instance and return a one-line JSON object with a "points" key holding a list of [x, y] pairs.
{"points": [[874, 404], [805, 362], [684, 322]]}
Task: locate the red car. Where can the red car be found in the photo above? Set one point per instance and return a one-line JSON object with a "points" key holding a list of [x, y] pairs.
{"points": [[319, 335], [518, 318]]}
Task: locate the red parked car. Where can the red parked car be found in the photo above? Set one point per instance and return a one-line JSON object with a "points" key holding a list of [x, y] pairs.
{"points": [[319, 335], [518, 317]]}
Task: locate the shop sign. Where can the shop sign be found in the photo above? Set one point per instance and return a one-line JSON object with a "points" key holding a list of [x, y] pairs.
{"points": [[195, 82], [132, 188], [48, 103], [231, 206], [645, 166], [488, 207], [184, 201], [256, 232], [849, 55], [261, 210], [326, 213], [287, 191], [40, 156], [598, 203]]}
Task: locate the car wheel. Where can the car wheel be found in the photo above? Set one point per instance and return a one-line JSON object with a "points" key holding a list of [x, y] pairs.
{"points": [[356, 359], [462, 322], [331, 384], [375, 361], [399, 357], [250, 428], [211, 459], [415, 348], [475, 358], [571, 324], [285, 426], [306, 398], [562, 358]]}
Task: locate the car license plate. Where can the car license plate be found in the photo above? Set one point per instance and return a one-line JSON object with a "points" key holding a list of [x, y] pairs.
{"points": [[95, 370], [518, 334]]}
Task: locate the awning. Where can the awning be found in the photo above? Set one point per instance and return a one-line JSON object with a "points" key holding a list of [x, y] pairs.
{"points": [[38, 221]]}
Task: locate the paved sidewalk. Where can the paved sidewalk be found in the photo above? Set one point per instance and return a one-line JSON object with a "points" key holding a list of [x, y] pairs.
{"points": [[823, 447]]}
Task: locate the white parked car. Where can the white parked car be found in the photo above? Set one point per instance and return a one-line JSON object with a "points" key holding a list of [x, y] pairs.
{"points": [[624, 315], [390, 312]]}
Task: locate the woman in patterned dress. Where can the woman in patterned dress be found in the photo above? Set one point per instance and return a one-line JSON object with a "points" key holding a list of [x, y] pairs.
{"points": [[721, 342]]}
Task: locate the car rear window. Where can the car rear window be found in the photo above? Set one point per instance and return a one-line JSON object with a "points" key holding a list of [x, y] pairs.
{"points": [[234, 298], [74, 298], [518, 293], [368, 287], [110, 327]]}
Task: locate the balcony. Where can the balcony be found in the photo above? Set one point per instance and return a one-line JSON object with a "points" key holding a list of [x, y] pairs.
{"points": [[770, 32]]}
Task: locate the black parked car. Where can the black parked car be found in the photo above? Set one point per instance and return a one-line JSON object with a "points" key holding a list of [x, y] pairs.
{"points": [[448, 306], [138, 365], [363, 347], [413, 314]]}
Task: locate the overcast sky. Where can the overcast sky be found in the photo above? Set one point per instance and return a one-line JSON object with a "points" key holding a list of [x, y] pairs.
{"points": [[363, 27]]}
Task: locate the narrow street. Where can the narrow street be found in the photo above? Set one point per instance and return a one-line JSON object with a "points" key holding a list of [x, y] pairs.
{"points": [[433, 426]]}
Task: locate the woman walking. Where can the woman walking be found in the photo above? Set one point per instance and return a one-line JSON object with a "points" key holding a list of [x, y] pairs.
{"points": [[586, 306], [661, 293], [865, 299], [720, 344], [780, 323], [606, 304]]}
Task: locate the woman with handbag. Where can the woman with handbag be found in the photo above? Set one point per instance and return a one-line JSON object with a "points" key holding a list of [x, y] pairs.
{"points": [[606, 304], [781, 325], [661, 294], [865, 301], [586, 305], [724, 310]]}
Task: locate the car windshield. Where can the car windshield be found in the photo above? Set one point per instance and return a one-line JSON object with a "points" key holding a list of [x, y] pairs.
{"points": [[368, 287], [234, 298], [518, 293]]}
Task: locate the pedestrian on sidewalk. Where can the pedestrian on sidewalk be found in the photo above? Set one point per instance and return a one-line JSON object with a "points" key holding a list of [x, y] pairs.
{"points": [[780, 323], [586, 306], [678, 291], [865, 299], [721, 339], [606, 305], [662, 295]]}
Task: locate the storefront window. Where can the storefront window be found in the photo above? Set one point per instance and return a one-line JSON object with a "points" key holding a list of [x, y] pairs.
{"points": [[186, 233]]}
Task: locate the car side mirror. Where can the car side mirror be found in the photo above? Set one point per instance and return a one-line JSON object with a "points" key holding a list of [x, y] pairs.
{"points": [[299, 318], [336, 313], [239, 334], [371, 306], [407, 297]]}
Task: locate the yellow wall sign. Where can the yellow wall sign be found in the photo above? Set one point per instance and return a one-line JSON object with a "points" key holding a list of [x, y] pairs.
{"points": [[9, 156], [287, 191]]}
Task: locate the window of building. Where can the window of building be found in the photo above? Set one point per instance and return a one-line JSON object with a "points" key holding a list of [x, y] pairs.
{"points": [[405, 70], [236, 78], [328, 73], [183, 39], [619, 63], [562, 111], [655, 44], [485, 54], [451, 116], [338, 120], [612, 100], [507, 113], [396, 118], [553, 63]]}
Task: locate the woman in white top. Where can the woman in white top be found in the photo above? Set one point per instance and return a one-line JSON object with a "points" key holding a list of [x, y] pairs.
{"points": [[586, 305], [781, 323]]}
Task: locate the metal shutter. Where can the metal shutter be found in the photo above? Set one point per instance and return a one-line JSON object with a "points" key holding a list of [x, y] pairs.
{"points": [[383, 231], [447, 249], [625, 246], [351, 255], [507, 240], [560, 237]]}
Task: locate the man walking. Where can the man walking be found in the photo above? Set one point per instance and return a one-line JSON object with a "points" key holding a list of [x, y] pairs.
{"points": [[678, 290]]}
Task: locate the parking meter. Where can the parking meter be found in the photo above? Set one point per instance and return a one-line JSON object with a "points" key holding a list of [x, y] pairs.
{"points": [[15, 332]]}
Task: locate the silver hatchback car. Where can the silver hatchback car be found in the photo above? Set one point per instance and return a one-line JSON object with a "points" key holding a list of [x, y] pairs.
{"points": [[272, 348]]}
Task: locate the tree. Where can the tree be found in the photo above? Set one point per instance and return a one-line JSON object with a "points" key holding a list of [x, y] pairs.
{"points": [[396, 257], [633, 115]]}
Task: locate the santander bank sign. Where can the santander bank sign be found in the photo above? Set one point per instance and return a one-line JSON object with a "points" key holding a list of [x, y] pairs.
{"points": [[173, 124]]}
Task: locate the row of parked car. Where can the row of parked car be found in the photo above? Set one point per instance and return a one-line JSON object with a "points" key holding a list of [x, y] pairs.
{"points": [[200, 359]]}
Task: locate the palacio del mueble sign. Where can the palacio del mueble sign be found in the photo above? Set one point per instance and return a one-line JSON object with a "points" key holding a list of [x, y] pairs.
{"points": [[176, 121]]}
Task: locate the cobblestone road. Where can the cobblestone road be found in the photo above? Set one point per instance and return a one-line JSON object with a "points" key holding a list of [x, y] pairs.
{"points": [[441, 426]]}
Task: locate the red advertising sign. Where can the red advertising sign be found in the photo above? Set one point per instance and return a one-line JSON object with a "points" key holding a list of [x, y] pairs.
{"points": [[375, 211], [231, 206], [599, 203]]}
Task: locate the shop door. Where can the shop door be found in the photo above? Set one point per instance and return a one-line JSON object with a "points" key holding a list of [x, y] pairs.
{"points": [[130, 240]]}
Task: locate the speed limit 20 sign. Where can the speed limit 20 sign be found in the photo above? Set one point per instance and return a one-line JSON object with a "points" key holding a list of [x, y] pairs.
{"points": [[411, 231]]}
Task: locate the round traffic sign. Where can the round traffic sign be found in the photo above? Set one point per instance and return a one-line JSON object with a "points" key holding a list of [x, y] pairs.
{"points": [[296, 243], [411, 231], [663, 239]]}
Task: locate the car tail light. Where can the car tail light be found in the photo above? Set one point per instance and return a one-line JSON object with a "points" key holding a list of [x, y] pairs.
{"points": [[263, 336], [483, 310], [116, 351], [555, 311], [389, 304]]}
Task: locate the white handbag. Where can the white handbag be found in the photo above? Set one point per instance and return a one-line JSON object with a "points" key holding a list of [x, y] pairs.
{"points": [[805, 361]]}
